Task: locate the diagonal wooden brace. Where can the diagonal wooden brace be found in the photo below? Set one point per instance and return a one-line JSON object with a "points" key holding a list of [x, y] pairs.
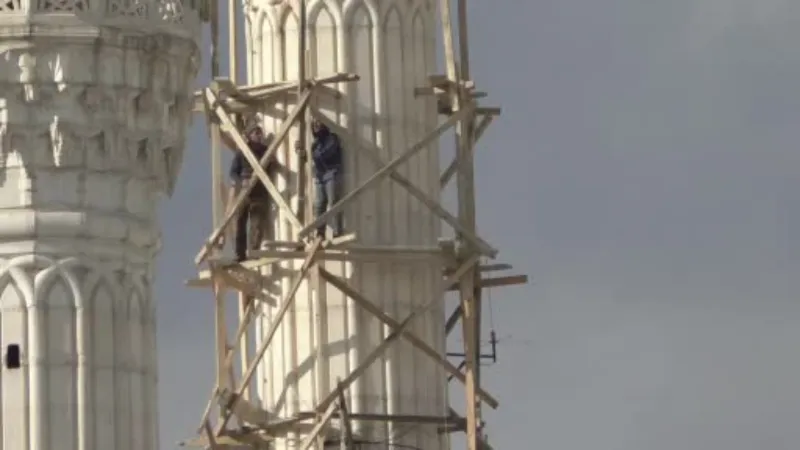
{"points": [[240, 199], [248, 316], [319, 426], [362, 301], [394, 335], [374, 154], [451, 169], [273, 328], [387, 169], [241, 144]]}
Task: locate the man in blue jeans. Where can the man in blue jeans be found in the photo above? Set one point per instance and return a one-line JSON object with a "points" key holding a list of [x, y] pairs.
{"points": [[326, 153]]}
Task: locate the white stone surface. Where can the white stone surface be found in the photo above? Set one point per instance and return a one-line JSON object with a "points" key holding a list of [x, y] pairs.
{"points": [[94, 103], [391, 45]]}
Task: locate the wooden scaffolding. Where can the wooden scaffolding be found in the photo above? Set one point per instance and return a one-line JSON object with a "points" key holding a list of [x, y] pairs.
{"points": [[223, 103]]}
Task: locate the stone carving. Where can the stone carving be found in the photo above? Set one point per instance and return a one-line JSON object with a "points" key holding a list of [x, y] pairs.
{"points": [[57, 139], [63, 5], [128, 8], [9, 6], [96, 149], [27, 75], [5, 146], [141, 150], [72, 144], [146, 108], [170, 10], [35, 274], [160, 78], [97, 102]]}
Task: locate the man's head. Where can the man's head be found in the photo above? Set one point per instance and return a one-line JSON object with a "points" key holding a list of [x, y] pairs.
{"points": [[254, 133], [318, 128]]}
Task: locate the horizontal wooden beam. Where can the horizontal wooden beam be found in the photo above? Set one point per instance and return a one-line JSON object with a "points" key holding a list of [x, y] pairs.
{"points": [[497, 282], [442, 81], [243, 409], [395, 418], [354, 253], [238, 98]]}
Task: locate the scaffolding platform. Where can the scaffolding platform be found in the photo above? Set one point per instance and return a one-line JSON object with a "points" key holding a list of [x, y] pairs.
{"points": [[231, 419]]}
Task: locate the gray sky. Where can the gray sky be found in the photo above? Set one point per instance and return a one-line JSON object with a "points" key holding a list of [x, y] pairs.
{"points": [[642, 174]]}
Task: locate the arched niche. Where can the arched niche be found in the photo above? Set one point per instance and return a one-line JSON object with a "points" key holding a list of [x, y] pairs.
{"points": [[13, 382], [57, 306]]}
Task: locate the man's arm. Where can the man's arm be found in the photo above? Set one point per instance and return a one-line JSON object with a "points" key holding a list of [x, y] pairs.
{"points": [[237, 164]]}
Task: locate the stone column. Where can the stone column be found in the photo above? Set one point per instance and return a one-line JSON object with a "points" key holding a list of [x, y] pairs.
{"points": [[94, 106]]}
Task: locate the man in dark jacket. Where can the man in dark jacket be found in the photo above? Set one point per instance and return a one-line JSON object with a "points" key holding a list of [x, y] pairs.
{"points": [[255, 211], [326, 153]]}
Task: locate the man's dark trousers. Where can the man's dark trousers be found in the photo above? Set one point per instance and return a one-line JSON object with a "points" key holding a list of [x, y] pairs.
{"points": [[255, 213], [328, 191]]}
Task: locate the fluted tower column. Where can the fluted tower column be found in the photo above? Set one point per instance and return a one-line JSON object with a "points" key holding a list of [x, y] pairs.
{"points": [[390, 44], [94, 104]]}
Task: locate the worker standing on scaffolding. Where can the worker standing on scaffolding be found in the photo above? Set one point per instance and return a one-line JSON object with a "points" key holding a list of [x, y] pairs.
{"points": [[253, 217], [326, 153]]}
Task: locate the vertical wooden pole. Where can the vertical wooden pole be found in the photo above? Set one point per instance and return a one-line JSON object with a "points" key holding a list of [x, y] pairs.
{"points": [[233, 74], [217, 208], [223, 380], [216, 141], [233, 42], [302, 189], [467, 214]]}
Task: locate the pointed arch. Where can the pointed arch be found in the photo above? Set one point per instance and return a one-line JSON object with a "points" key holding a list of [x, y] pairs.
{"points": [[324, 26], [400, 8], [331, 6], [53, 272], [14, 384], [288, 47], [417, 16], [351, 7], [12, 271]]}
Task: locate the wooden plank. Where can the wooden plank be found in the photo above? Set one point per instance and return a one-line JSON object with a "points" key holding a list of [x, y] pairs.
{"points": [[485, 283], [497, 282], [231, 440], [237, 204], [374, 154], [386, 170], [210, 434], [244, 353], [421, 345], [344, 416], [233, 40], [221, 334], [273, 328], [253, 95], [318, 427], [451, 169], [242, 408], [228, 360]]}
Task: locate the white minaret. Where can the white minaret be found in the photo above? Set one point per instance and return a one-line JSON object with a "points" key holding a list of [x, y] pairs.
{"points": [[391, 45], [94, 104]]}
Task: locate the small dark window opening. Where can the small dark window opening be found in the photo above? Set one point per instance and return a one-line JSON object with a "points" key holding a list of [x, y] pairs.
{"points": [[13, 356]]}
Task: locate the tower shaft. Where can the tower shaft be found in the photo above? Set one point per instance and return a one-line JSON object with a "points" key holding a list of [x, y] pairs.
{"points": [[390, 44]]}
